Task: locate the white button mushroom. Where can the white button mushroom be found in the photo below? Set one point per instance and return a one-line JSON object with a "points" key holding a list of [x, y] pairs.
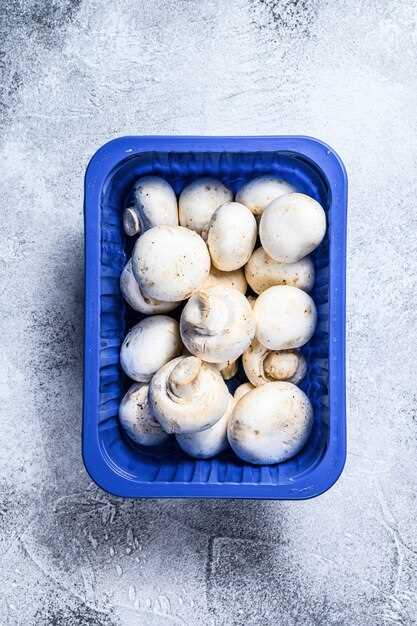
{"points": [[259, 192], [187, 395], [242, 390], [263, 366], [148, 346], [231, 236], [285, 316], [131, 292], [136, 418], [227, 369], [262, 272], [207, 443], [291, 227], [270, 424], [154, 204], [199, 200], [169, 262], [217, 324], [235, 279]]}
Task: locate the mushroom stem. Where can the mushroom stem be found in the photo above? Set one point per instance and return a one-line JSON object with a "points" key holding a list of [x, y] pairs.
{"points": [[280, 365], [217, 324], [131, 223], [183, 381], [213, 314]]}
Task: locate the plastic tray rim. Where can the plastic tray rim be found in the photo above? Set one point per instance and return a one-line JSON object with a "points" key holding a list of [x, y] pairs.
{"points": [[328, 470]]}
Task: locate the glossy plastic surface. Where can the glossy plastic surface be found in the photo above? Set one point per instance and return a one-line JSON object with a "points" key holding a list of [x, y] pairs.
{"points": [[116, 465]]}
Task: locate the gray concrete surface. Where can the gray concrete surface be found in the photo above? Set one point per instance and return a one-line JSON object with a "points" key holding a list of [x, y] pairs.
{"points": [[76, 74]]}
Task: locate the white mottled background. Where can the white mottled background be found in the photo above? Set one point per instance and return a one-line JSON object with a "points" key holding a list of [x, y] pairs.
{"points": [[76, 74]]}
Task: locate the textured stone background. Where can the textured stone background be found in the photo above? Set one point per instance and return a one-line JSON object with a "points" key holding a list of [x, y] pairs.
{"points": [[75, 74]]}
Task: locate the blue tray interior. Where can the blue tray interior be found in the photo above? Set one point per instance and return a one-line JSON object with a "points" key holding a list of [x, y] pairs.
{"points": [[169, 463]]}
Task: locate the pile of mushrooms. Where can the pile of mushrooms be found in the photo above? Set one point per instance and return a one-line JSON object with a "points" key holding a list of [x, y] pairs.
{"points": [[197, 255]]}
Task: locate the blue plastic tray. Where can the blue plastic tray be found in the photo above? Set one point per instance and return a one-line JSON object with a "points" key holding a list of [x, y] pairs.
{"points": [[112, 462]]}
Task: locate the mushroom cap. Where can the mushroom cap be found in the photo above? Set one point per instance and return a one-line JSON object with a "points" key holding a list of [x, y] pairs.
{"points": [[207, 443], [260, 191], [169, 262], [235, 279], [270, 424], [149, 345], [199, 200], [231, 236], [227, 369], [131, 292], [242, 390], [187, 395], [291, 227], [136, 418], [262, 272], [285, 316], [263, 366], [155, 202], [217, 324]]}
